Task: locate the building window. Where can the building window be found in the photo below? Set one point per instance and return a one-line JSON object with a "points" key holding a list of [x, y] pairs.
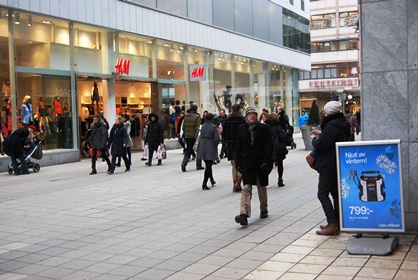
{"points": [[348, 18], [330, 71], [322, 21], [302, 5], [291, 2]]}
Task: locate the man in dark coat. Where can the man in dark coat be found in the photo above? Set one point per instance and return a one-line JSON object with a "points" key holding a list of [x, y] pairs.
{"points": [[229, 133], [98, 142], [191, 124], [222, 117], [118, 140], [155, 137], [14, 145], [335, 128], [253, 160]]}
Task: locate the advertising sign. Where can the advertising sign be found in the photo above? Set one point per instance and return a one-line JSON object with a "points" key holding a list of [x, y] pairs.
{"points": [[197, 72], [370, 186]]}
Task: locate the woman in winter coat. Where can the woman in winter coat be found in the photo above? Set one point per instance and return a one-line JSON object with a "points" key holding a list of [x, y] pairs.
{"points": [[118, 140], [278, 138], [128, 125], [207, 149], [155, 137], [98, 142]]}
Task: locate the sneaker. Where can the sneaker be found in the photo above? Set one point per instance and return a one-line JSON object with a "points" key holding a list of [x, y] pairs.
{"points": [[264, 214], [241, 219]]}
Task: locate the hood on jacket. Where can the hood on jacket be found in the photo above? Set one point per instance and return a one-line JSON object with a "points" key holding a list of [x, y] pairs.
{"points": [[155, 115], [271, 122]]}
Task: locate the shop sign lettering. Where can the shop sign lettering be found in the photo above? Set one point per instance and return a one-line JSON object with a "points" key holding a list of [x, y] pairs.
{"points": [[122, 66], [336, 82], [197, 72]]}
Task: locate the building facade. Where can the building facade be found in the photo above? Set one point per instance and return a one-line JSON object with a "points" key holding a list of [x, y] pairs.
{"points": [[143, 55], [335, 54], [389, 43]]}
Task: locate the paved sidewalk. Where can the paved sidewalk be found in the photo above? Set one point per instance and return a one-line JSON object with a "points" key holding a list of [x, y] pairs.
{"points": [[157, 223]]}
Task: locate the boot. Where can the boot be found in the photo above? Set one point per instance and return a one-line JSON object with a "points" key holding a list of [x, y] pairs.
{"points": [[280, 183], [212, 181], [93, 171], [330, 229], [159, 162], [204, 187], [327, 225]]}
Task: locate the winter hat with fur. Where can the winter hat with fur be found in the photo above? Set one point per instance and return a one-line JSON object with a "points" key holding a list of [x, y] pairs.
{"points": [[332, 107]]}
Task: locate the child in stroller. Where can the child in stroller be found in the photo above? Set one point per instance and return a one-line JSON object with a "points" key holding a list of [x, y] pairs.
{"points": [[32, 149], [289, 137]]}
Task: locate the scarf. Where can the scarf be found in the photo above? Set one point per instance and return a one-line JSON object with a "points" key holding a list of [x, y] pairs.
{"points": [[251, 128]]}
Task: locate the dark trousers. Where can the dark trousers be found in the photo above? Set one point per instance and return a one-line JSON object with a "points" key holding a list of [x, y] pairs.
{"points": [[181, 142], [280, 168], [128, 155], [125, 160], [151, 150], [328, 184], [23, 163], [208, 171], [189, 150], [223, 148], [103, 155]]}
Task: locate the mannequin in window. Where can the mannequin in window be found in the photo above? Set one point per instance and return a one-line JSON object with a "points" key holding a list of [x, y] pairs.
{"points": [[5, 90], [26, 117], [58, 112], [95, 97], [43, 119]]}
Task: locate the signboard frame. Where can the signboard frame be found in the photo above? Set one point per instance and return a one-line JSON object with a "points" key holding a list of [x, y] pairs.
{"points": [[368, 205]]}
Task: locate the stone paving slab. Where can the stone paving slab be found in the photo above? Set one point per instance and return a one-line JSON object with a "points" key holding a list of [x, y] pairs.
{"points": [[157, 223]]}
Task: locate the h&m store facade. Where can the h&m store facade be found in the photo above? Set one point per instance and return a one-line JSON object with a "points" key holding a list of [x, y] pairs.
{"points": [[141, 60]]}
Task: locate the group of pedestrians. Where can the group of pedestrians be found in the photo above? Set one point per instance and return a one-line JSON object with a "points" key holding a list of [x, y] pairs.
{"points": [[253, 145]]}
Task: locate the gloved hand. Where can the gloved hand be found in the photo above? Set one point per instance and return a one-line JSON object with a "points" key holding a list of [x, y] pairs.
{"points": [[264, 167]]}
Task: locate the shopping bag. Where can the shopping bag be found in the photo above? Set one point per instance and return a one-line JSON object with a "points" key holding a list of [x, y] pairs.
{"points": [[161, 152], [97, 153], [145, 154]]}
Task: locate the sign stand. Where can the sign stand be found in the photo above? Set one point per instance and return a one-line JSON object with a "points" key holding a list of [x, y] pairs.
{"points": [[370, 195], [371, 245]]}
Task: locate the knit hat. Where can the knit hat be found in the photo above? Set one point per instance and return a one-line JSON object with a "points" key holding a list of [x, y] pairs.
{"points": [[32, 127], [249, 110], [332, 107]]}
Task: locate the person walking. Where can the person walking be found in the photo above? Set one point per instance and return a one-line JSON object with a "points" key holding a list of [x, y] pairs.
{"points": [[334, 128], [280, 151], [207, 149], [118, 140], [98, 142], [191, 124], [253, 159], [354, 127], [155, 137], [222, 117], [128, 126], [229, 133]]}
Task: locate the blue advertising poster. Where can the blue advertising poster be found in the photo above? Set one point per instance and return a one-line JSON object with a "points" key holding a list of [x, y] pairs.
{"points": [[370, 186]]}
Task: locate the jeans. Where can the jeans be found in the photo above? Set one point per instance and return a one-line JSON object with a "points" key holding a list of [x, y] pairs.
{"points": [[25, 169], [329, 185]]}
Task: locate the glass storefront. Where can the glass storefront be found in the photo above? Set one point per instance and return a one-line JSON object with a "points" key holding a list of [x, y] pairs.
{"points": [[58, 64]]}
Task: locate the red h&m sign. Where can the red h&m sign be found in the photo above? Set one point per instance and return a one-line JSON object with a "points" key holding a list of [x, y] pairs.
{"points": [[197, 72], [123, 66]]}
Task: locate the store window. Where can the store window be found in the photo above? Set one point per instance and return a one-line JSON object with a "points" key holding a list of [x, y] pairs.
{"points": [[50, 97], [41, 42], [138, 51], [87, 45]]}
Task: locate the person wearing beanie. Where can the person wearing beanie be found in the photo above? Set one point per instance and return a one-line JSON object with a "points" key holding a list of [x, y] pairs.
{"points": [[334, 128], [190, 127], [253, 154]]}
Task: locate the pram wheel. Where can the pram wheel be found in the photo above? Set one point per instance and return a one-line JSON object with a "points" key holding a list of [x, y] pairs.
{"points": [[10, 171], [293, 145], [36, 167]]}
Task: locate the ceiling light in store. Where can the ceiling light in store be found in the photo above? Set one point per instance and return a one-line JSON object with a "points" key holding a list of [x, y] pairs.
{"points": [[149, 42], [46, 21], [166, 45], [326, 44], [29, 21], [179, 49], [17, 18]]}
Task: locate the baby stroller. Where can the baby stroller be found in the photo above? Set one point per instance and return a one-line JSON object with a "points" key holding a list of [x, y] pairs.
{"points": [[85, 143], [289, 137], [35, 151]]}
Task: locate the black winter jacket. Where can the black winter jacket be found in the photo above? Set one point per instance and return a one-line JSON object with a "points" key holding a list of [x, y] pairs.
{"points": [[155, 132], [117, 139], [335, 128], [250, 158], [230, 132], [98, 137], [278, 138]]}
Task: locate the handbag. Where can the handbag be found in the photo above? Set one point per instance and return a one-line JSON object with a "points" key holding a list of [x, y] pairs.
{"points": [[311, 160], [161, 152], [97, 153]]}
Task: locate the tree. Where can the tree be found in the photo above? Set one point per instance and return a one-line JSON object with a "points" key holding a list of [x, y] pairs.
{"points": [[314, 114]]}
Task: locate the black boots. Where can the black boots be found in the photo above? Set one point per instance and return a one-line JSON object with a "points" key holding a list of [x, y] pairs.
{"points": [[159, 162], [280, 183], [93, 171], [204, 187]]}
